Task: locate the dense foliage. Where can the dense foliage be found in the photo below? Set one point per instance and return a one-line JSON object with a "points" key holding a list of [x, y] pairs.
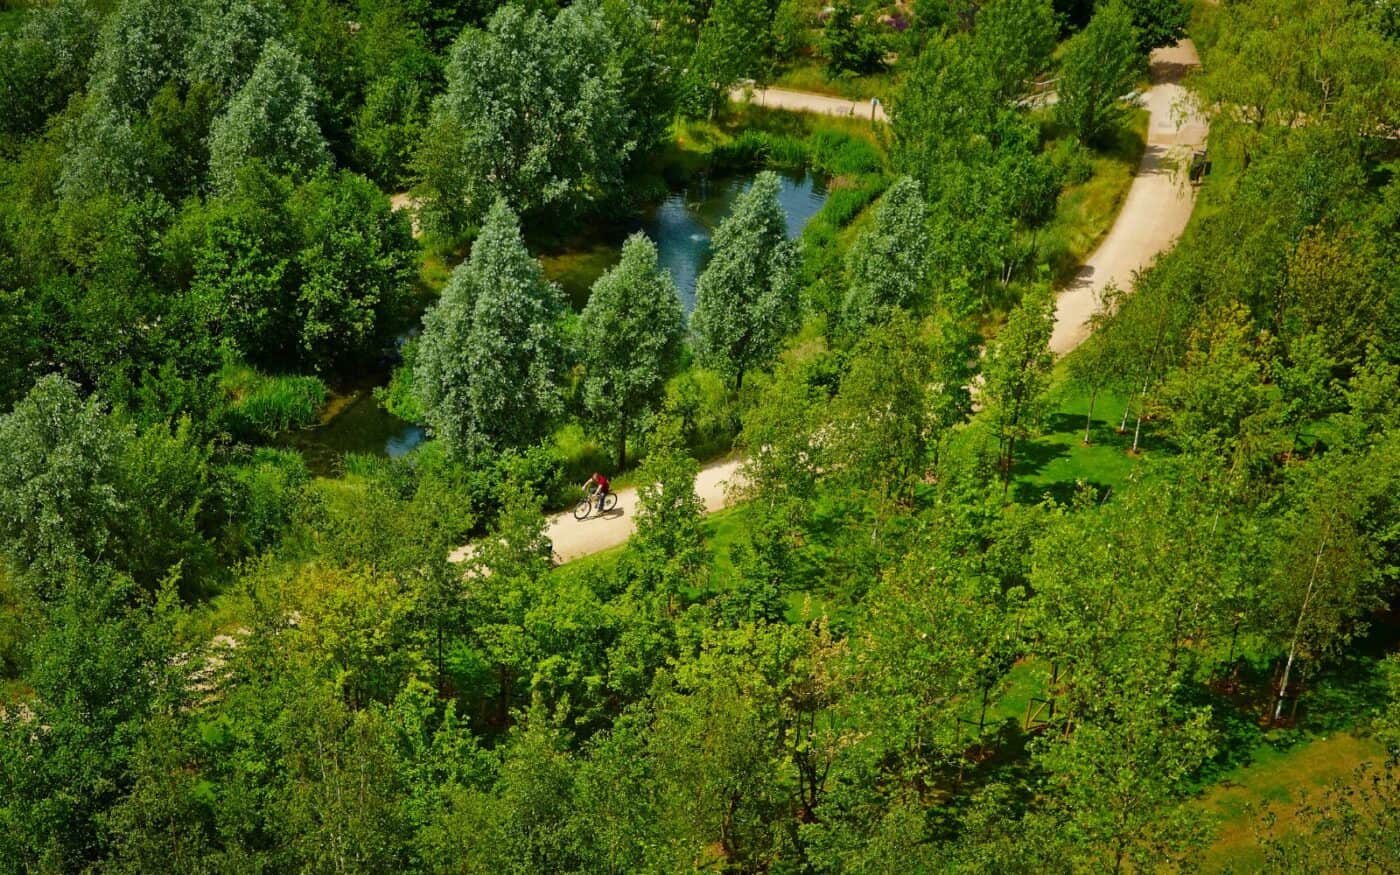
{"points": [[908, 647]]}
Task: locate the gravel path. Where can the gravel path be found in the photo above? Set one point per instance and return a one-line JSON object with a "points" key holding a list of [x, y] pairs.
{"points": [[1157, 207]]}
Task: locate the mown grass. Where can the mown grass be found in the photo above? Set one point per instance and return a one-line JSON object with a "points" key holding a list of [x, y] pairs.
{"points": [[1280, 779]]}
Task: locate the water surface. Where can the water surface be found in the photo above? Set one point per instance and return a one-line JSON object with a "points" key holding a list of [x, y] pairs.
{"points": [[681, 227]]}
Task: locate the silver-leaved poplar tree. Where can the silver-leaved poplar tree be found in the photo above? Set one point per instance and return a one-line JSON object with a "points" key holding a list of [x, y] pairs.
{"points": [[889, 265], [272, 118], [746, 298], [630, 336], [490, 359]]}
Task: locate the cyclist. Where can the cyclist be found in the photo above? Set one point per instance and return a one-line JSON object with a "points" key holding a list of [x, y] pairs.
{"points": [[597, 487]]}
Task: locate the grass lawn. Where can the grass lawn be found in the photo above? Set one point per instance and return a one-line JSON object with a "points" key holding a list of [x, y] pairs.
{"points": [[1280, 779]]}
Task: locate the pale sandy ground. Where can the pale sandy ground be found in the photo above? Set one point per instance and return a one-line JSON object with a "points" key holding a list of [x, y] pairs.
{"points": [[803, 101], [1154, 214], [572, 538], [1157, 207]]}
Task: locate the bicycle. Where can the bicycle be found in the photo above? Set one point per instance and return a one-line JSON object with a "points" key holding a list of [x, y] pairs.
{"points": [[589, 503]]}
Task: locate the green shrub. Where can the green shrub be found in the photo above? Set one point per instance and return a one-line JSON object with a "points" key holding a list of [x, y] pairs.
{"points": [[263, 493], [398, 397], [264, 406]]}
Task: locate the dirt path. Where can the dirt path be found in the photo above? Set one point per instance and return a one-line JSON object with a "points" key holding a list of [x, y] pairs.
{"points": [[572, 539], [1157, 207], [806, 101]]}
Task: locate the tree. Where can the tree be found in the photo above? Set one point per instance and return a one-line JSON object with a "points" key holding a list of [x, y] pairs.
{"points": [[875, 442], [630, 333], [242, 266], [1015, 39], [83, 488], [355, 263], [489, 360], [1255, 83], [732, 44], [99, 665], [669, 544], [1218, 399], [746, 298], [1101, 64], [1115, 783], [888, 265], [141, 47], [1017, 373], [59, 499], [1159, 22], [271, 118], [43, 63], [851, 46], [534, 112], [227, 41]]}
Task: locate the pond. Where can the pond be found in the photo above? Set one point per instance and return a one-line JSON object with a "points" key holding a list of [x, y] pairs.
{"points": [[354, 423], [680, 226]]}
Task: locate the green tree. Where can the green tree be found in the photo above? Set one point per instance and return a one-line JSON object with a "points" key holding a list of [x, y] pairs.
{"points": [[44, 63], [98, 667], [630, 332], [888, 265], [1101, 64], [1015, 39], [851, 46], [534, 112], [1159, 22], [141, 47], [355, 263], [1114, 785], [271, 118], [731, 46], [669, 544], [746, 298], [1017, 373], [227, 40], [1254, 83], [489, 360]]}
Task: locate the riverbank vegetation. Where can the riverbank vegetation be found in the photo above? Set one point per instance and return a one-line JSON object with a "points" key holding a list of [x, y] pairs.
{"points": [[1023, 627]]}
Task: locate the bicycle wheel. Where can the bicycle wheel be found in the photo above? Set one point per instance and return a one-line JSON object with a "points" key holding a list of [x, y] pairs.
{"points": [[609, 501], [582, 509]]}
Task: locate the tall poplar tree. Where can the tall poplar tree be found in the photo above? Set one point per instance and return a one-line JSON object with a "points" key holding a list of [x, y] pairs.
{"points": [[746, 299], [489, 361], [888, 266], [631, 338]]}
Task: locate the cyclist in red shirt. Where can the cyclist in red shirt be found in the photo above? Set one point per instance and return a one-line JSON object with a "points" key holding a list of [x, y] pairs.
{"points": [[598, 488]]}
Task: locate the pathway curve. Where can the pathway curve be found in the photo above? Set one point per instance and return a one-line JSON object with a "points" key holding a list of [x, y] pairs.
{"points": [[1157, 207], [1152, 217]]}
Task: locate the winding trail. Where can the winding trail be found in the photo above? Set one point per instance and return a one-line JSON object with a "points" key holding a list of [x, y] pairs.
{"points": [[1153, 215], [1157, 207]]}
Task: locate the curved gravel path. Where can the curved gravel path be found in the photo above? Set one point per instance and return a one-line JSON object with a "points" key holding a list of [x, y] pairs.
{"points": [[1157, 207]]}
